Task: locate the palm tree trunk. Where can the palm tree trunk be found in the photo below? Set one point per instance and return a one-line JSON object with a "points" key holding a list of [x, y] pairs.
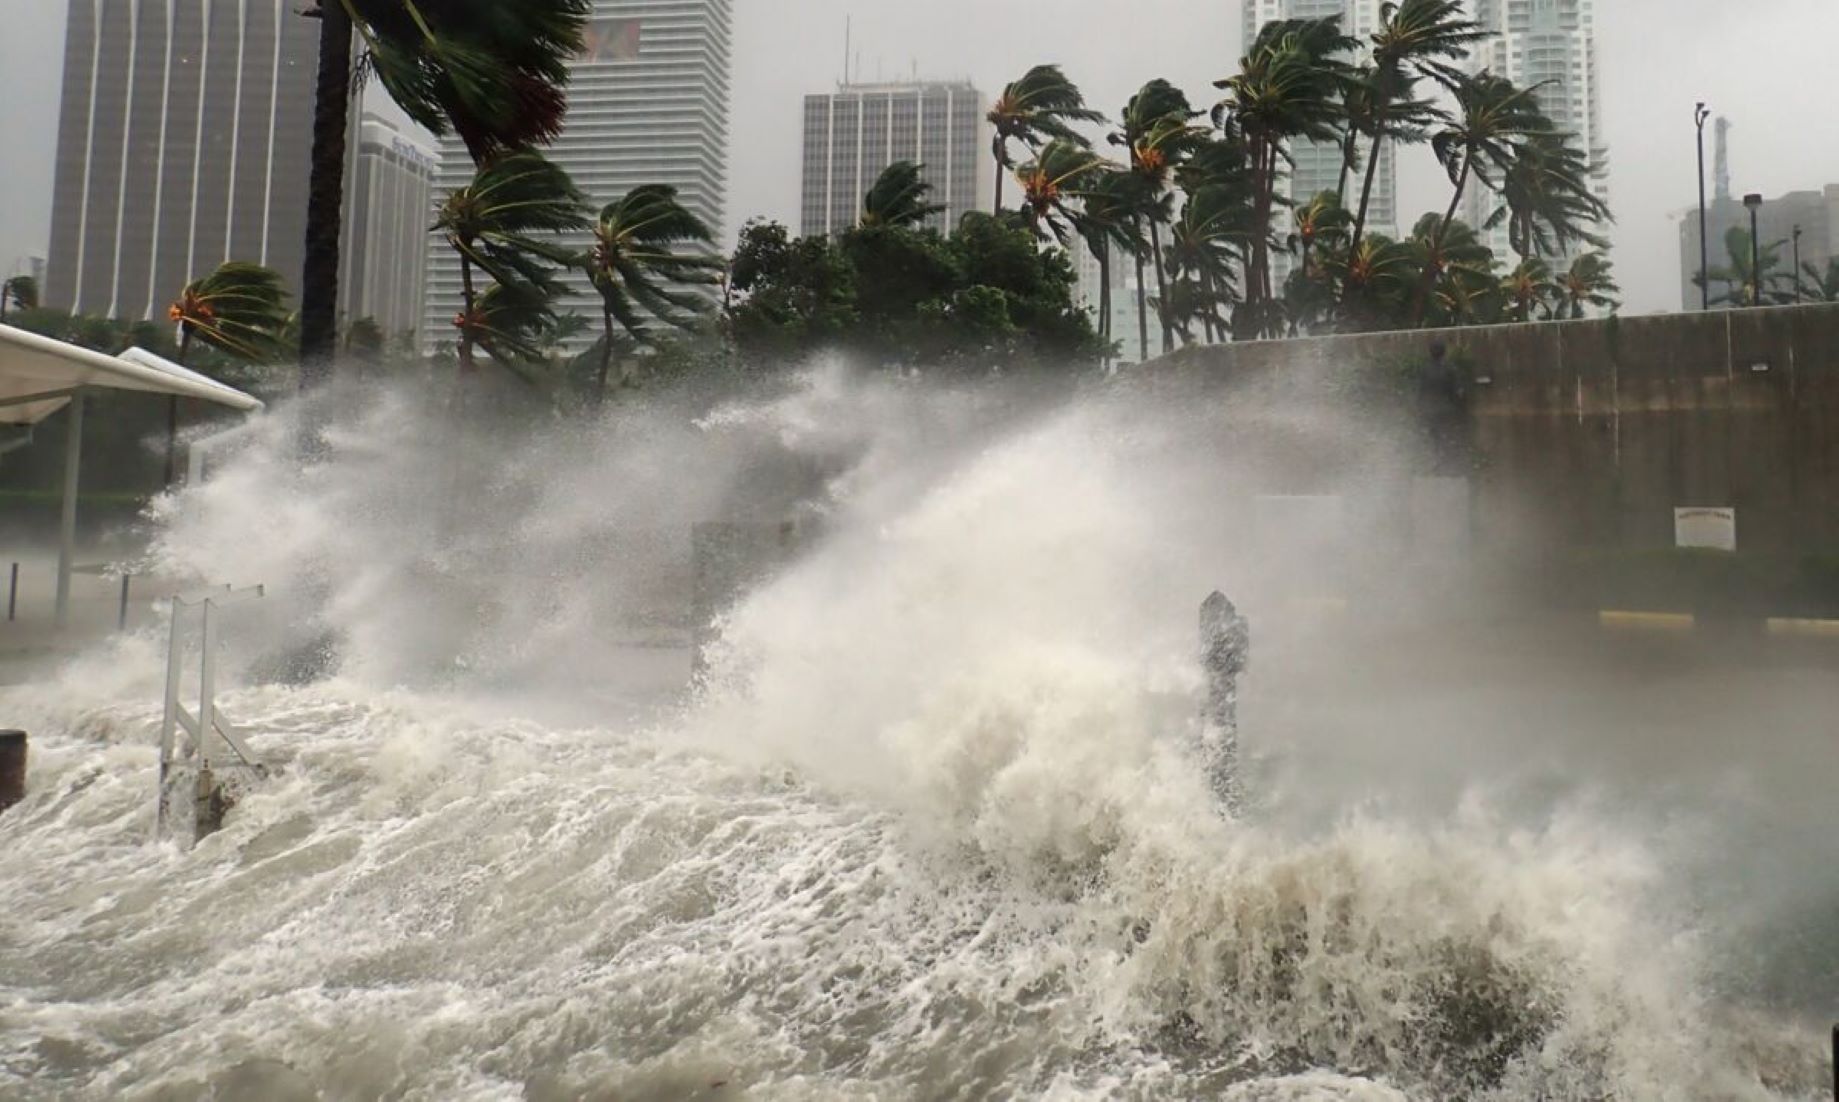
{"points": [[606, 356], [1162, 290], [1142, 301], [1366, 198], [1104, 301], [325, 199], [1349, 147], [172, 414], [1429, 278], [996, 154], [466, 330]]}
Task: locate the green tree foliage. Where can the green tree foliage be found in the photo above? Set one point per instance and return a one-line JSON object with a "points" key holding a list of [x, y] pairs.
{"points": [[986, 297], [638, 259], [1042, 106], [1743, 283], [494, 73], [898, 197], [239, 309], [503, 226], [18, 293]]}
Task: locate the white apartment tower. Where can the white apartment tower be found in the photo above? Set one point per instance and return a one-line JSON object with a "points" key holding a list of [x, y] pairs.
{"points": [[388, 187], [183, 142], [1550, 44], [648, 104], [852, 134], [1318, 166]]}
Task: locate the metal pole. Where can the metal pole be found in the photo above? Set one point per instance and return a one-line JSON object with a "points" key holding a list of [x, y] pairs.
{"points": [[169, 722], [67, 529], [12, 597], [1701, 113], [207, 685], [121, 621], [1797, 265], [1755, 255]]}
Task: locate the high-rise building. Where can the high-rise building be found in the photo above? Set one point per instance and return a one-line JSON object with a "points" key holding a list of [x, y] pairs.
{"points": [[184, 142], [1549, 45], [855, 132], [1319, 166], [648, 104], [388, 199], [1814, 213], [1088, 295]]}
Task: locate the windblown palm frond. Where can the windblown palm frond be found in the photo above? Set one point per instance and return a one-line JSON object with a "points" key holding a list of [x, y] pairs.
{"points": [[898, 197], [638, 256], [239, 309]]}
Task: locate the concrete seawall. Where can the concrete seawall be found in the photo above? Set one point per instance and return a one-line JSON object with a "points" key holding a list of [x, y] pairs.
{"points": [[1588, 434]]}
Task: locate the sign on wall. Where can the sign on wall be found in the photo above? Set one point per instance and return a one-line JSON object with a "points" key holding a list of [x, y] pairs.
{"points": [[1713, 528]]}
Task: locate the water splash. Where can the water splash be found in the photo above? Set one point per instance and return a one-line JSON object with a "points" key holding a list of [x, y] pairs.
{"points": [[930, 828]]}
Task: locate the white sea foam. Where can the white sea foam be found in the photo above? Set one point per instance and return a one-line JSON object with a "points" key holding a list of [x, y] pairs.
{"points": [[930, 827]]}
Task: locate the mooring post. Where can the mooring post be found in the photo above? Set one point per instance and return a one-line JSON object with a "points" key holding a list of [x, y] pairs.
{"points": [[1225, 645], [121, 621], [12, 768], [12, 597]]}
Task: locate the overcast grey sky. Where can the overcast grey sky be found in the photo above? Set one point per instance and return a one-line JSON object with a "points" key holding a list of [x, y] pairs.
{"points": [[1762, 62]]}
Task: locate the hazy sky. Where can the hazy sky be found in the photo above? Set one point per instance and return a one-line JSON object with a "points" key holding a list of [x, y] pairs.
{"points": [[1762, 62]]}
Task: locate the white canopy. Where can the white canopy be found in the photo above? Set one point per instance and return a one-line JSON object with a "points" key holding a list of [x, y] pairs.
{"points": [[38, 375]]}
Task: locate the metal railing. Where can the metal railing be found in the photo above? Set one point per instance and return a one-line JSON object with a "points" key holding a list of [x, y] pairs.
{"points": [[215, 743]]}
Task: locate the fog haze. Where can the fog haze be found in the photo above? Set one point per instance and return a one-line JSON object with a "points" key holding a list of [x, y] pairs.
{"points": [[1760, 63]]}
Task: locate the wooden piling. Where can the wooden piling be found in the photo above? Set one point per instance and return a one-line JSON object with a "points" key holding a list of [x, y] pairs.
{"points": [[12, 768]]}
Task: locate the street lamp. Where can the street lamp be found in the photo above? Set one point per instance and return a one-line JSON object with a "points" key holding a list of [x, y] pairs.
{"points": [[1754, 202], [1699, 115], [1797, 265]]}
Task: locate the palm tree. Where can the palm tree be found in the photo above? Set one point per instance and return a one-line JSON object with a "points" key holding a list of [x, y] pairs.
{"points": [[898, 197], [1376, 277], [493, 223], [1546, 201], [1743, 286], [1318, 225], [240, 310], [1106, 219], [1203, 246], [1494, 118], [636, 253], [1041, 106], [492, 72], [1158, 132], [1821, 286], [1457, 267], [1414, 38], [1056, 183], [1528, 288], [1289, 86], [1589, 282], [21, 292]]}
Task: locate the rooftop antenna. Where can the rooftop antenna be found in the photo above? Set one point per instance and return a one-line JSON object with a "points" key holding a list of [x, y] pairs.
{"points": [[1723, 158], [849, 43]]}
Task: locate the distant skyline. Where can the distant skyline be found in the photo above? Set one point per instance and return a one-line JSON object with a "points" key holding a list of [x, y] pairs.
{"points": [[1758, 63]]}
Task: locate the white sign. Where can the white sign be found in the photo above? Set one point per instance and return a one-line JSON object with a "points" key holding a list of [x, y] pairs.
{"points": [[1712, 528]]}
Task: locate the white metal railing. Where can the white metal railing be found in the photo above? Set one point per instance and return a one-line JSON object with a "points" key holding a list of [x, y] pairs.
{"points": [[215, 742]]}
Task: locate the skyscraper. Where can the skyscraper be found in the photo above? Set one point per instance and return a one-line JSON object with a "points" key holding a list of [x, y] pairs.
{"points": [[854, 133], [183, 142], [1318, 166], [1549, 45], [648, 104], [388, 195]]}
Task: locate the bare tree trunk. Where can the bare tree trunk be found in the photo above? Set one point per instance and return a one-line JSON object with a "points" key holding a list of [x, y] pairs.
{"points": [[325, 199], [1162, 290], [466, 330], [996, 153], [1142, 302], [606, 355]]}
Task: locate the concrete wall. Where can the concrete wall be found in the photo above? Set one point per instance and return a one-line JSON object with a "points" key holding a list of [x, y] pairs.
{"points": [[1589, 434]]}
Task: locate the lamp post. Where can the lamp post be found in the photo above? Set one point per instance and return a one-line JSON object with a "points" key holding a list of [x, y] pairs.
{"points": [[1797, 265], [1699, 115], [1754, 202]]}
